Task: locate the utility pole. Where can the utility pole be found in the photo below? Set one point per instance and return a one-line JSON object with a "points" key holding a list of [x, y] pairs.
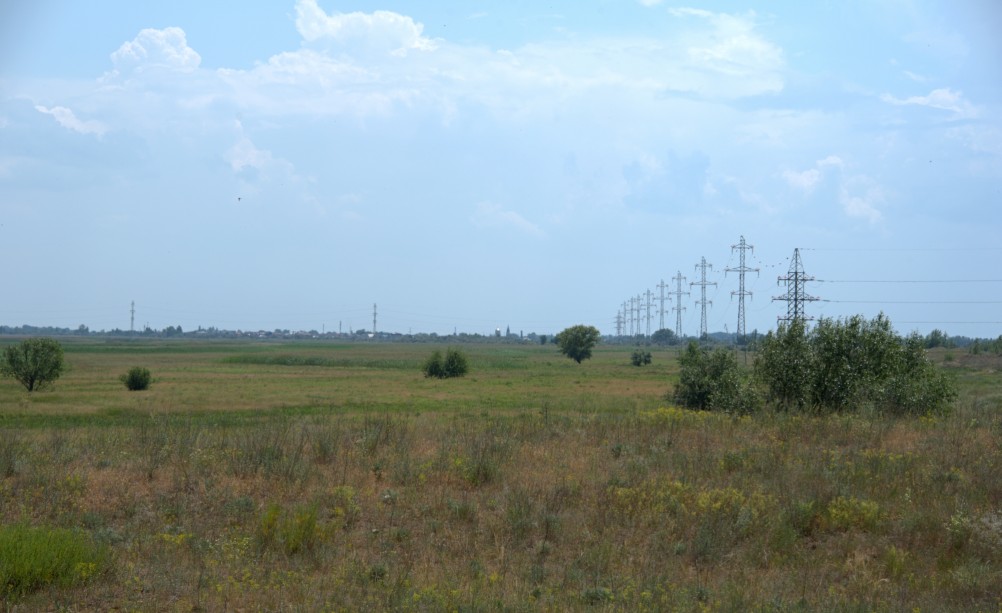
{"points": [[702, 302], [795, 296], [661, 286], [742, 246], [373, 320], [132, 319], [678, 308]]}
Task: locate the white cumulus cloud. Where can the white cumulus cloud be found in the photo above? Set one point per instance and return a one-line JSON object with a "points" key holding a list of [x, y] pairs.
{"points": [[166, 48], [379, 30], [67, 119]]}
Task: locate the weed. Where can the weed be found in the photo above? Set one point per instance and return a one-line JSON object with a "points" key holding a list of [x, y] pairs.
{"points": [[845, 513]]}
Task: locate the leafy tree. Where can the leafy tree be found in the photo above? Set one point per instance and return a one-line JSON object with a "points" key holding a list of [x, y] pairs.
{"points": [[34, 362], [577, 342], [137, 379], [664, 336]]}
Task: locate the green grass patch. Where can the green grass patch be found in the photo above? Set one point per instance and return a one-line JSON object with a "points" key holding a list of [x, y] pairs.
{"points": [[32, 558]]}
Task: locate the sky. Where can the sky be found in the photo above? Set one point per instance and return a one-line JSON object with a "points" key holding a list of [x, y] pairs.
{"points": [[482, 164]]}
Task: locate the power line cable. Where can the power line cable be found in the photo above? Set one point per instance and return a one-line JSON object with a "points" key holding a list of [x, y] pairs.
{"points": [[914, 301]]}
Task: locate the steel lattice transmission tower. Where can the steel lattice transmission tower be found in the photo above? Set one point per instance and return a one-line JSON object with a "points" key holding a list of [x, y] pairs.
{"points": [[795, 296], [702, 302], [638, 305], [648, 305], [742, 246], [678, 308], [661, 286]]}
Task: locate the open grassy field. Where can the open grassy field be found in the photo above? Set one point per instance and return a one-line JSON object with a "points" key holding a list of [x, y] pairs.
{"points": [[316, 476]]}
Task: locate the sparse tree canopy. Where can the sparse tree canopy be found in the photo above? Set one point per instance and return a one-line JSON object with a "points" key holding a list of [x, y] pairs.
{"points": [[577, 342], [34, 362]]}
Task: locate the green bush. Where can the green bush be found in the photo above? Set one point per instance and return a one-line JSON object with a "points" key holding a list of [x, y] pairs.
{"points": [[640, 358], [712, 380], [137, 379], [454, 364], [34, 362], [32, 558], [842, 365]]}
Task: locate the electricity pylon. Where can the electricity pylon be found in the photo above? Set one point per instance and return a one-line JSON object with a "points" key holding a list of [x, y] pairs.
{"points": [[678, 308], [795, 296], [742, 246], [702, 302]]}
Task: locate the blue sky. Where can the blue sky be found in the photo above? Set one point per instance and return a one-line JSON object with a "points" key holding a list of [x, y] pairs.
{"points": [[472, 165]]}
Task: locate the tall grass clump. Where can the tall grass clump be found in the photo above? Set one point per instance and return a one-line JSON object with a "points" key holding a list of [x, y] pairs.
{"points": [[32, 558]]}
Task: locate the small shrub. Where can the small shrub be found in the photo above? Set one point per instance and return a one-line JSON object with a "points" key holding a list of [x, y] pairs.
{"points": [[640, 358], [137, 379], [433, 366], [454, 364], [32, 558]]}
